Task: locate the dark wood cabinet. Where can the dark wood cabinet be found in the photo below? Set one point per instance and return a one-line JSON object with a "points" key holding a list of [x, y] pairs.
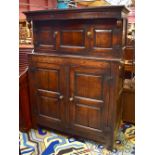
{"points": [[75, 71]]}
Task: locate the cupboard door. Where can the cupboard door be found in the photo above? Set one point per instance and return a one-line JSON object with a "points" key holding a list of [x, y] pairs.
{"points": [[104, 38], [73, 38], [89, 97], [50, 94], [45, 37]]}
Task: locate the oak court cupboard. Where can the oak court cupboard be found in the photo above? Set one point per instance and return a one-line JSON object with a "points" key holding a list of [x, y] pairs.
{"points": [[75, 71]]}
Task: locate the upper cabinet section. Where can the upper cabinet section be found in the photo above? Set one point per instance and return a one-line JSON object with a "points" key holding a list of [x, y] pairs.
{"points": [[89, 31]]}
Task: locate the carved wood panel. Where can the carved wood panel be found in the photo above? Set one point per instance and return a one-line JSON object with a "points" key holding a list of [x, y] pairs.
{"points": [[102, 38], [50, 106], [89, 90], [45, 38], [48, 79], [72, 40], [85, 82], [72, 37]]}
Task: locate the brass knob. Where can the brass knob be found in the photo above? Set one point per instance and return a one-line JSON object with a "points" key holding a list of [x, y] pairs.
{"points": [[71, 99], [61, 97], [89, 33]]}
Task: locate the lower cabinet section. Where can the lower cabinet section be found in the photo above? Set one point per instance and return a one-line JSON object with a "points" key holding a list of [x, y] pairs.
{"points": [[73, 96]]}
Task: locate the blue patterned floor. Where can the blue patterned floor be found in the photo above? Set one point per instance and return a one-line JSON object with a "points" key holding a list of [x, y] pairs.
{"points": [[46, 142]]}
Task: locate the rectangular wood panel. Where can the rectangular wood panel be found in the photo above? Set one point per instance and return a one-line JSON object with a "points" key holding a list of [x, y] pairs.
{"points": [[87, 85], [49, 107], [81, 115], [48, 79], [53, 80], [72, 37], [103, 38], [42, 79], [95, 121], [44, 38], [88, 116]]}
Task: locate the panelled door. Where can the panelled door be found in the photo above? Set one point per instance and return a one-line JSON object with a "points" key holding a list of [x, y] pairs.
{"points": [[50, 94], [45, 37], [103, 36], [72, 37], [89, 97]]}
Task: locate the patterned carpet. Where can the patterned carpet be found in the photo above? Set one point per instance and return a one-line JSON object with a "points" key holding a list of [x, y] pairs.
{"points": [[45, 142]]}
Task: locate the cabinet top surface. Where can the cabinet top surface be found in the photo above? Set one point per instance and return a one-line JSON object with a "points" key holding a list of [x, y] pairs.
{"points": [[79, 13]]}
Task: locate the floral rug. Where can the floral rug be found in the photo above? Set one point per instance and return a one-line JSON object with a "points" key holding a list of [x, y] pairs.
{"points": [[47, 142]]}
